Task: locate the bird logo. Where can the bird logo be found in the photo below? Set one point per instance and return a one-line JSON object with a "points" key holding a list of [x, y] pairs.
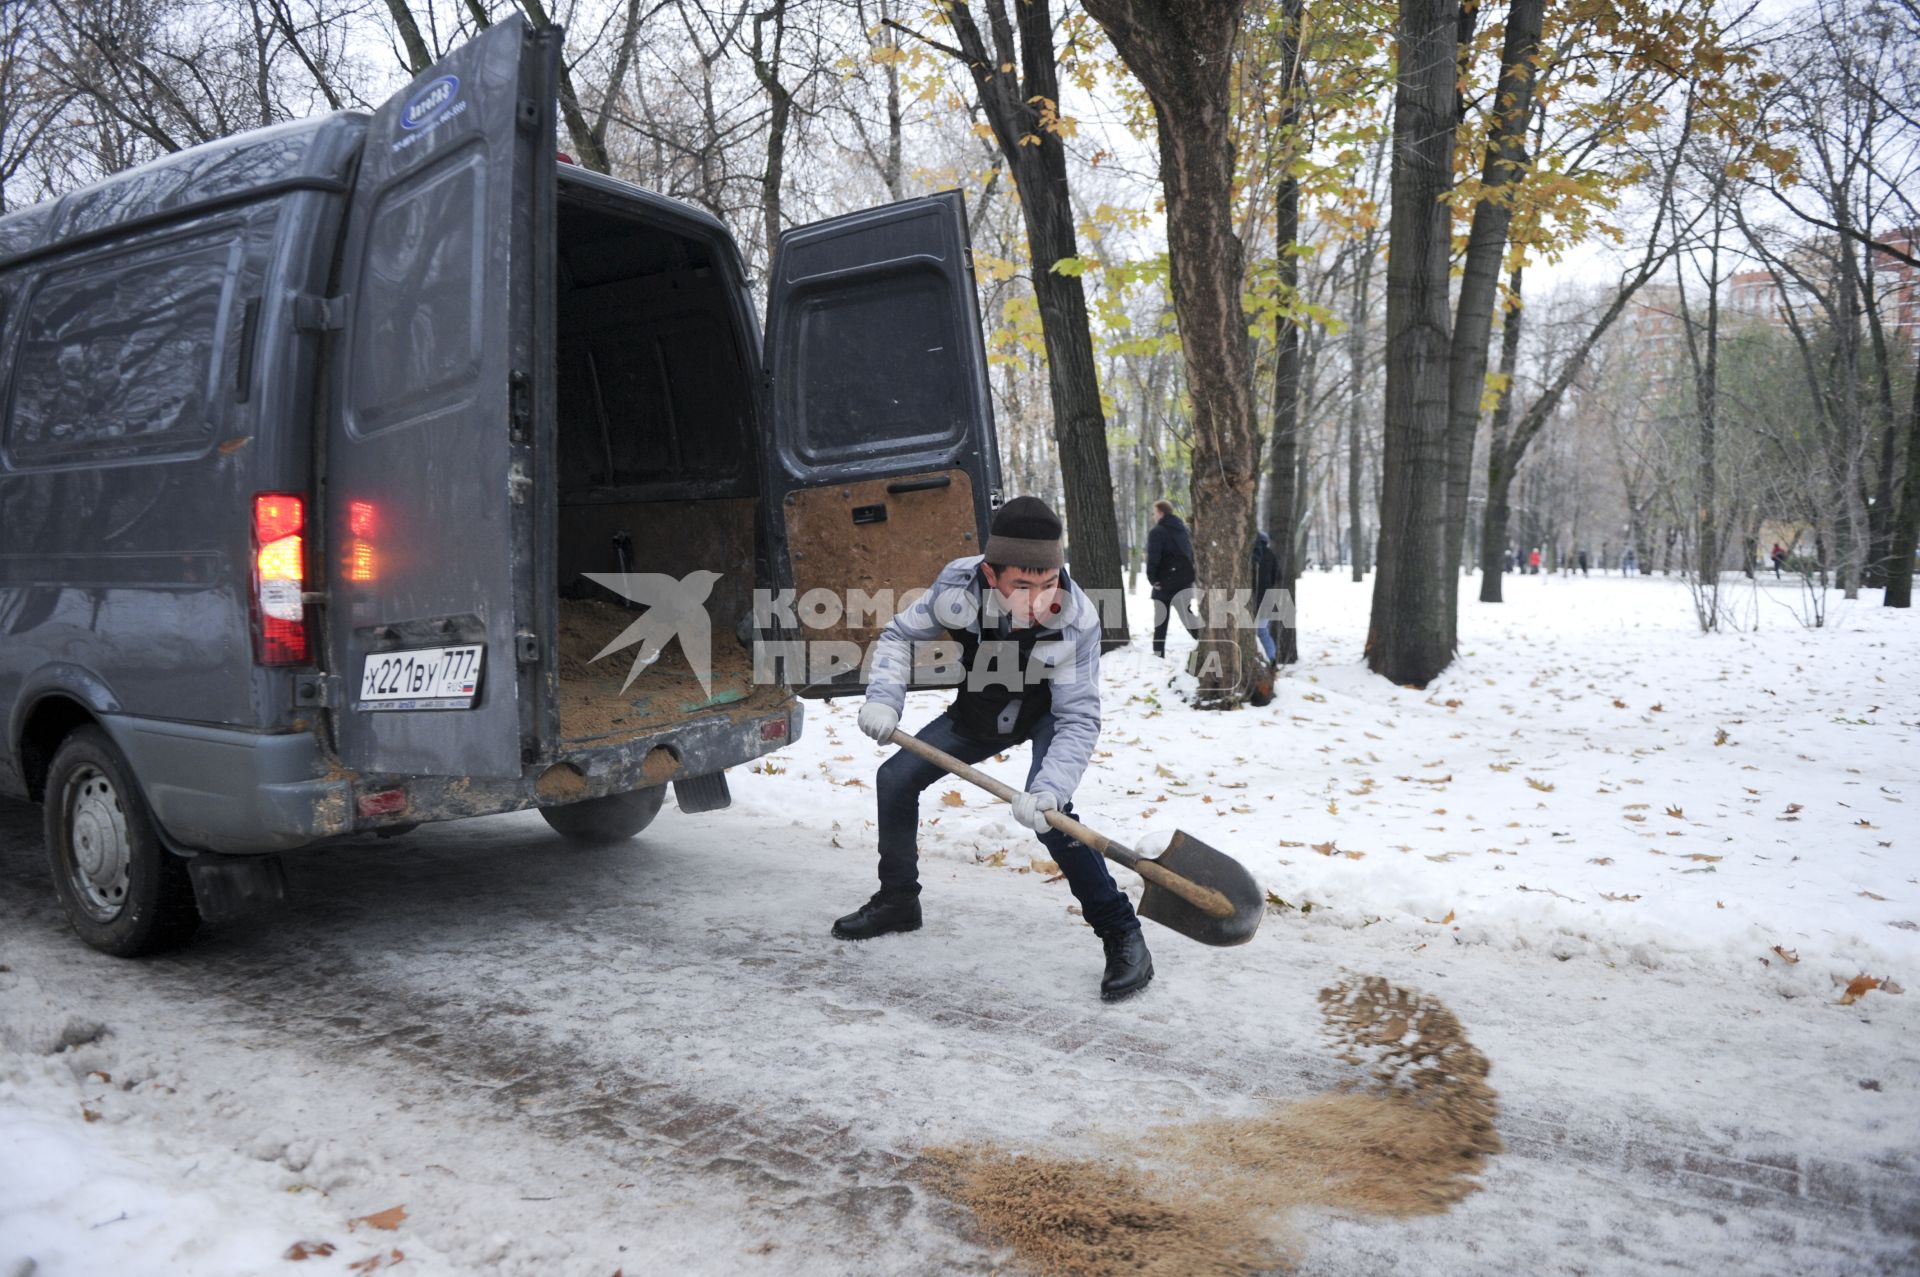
{"points": [[675, 607]]}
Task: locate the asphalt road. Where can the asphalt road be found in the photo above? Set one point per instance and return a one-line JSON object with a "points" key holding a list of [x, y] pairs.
{"points": [[654, 1057]]}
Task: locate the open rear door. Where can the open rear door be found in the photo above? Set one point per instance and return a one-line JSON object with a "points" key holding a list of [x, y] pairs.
{"points": [[884, 461], [438, 401]]}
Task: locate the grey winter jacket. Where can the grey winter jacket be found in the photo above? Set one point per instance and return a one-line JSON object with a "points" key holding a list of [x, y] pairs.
{"points": [[951, 603]]}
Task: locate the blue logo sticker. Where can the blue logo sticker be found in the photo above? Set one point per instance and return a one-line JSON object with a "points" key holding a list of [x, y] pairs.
{"points": [[430, 103]]}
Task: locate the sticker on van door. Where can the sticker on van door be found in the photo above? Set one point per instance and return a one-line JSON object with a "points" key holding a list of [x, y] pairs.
{"points": [[437, 102], [421, 678]]}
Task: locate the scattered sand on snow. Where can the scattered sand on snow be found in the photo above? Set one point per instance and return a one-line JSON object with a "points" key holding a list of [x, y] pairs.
{"points": [[1411, 1140]]}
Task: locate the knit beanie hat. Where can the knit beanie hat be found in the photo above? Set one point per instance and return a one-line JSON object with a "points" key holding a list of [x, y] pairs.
{"points": [[1025, 534]]}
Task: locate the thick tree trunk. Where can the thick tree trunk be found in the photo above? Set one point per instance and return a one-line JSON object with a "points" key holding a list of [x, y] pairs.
{"points": [[1182, 53], [1906, 527], [1283, 496], [1480, 278], [1410, 634]]}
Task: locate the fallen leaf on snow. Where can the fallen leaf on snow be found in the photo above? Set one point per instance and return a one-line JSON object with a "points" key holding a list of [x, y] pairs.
{"points": [[1677, 813], [1789, 956], [1600, 860], [1545, 787], [1869, 895], [1858, 988], [388, 1219], [1699, 855], [1610, 896], [1440, 922], [305, 1250], [377, 1261], [953, 798]]}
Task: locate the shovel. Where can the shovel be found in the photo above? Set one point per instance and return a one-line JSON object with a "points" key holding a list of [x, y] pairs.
{"points": [[1204, 894]]}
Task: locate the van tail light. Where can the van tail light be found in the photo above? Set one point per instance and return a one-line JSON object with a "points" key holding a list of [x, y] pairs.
{"points": [[280, 577], [360, 560]]}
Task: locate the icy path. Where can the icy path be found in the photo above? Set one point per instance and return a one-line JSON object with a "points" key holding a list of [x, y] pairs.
{"points": [[653, 1059]]}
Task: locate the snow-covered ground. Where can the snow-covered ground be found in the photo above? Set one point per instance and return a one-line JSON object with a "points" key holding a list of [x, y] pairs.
{"points": [[1591, 775], [653, 1059]]}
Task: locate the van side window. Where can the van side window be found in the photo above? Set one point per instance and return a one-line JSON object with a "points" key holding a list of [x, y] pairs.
{"points": [[116, 356]]}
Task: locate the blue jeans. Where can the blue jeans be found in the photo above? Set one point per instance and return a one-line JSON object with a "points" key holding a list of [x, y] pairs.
{"points": [[903, 776], [1267, 643]]}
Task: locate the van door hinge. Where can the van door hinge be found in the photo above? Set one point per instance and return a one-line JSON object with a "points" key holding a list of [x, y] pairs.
{"points": [[519, 405], [319, 314], [317, 691]]}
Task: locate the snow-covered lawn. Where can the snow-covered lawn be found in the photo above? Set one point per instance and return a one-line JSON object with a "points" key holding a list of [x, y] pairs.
{"points": [[1591, 776], [652, 1058]]}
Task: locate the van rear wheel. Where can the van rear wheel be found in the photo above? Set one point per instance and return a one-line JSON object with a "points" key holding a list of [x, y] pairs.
{"points": [[122, 890], [614, 818]]}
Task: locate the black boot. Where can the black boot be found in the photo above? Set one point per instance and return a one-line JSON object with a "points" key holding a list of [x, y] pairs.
{"points": [[1129, 965], [887, 911]]}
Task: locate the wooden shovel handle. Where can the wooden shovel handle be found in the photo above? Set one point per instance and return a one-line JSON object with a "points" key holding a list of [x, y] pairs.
{"points": [[1205, 899]]}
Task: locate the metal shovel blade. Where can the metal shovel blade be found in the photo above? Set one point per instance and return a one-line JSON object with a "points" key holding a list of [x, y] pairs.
{"points": [[1197, 862]]}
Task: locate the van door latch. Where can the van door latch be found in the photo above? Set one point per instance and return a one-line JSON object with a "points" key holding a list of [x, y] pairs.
{"points": [[526, 647], [319, 314]]}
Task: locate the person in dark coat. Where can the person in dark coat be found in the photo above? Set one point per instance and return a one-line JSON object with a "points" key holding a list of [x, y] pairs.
{"points": [[1779, 556], [1170, 573], [1583, 563], [1266, 577]]}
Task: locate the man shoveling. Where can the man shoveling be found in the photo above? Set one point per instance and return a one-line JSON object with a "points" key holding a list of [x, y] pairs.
{"points": [[1029, 642]]}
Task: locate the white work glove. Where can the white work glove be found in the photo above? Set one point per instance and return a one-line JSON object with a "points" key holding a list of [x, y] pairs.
{"points": [[1031, 810], [878, 721]]}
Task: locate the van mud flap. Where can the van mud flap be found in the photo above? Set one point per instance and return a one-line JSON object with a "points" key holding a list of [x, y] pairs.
{"points": [[696, 794], [230, 887]]}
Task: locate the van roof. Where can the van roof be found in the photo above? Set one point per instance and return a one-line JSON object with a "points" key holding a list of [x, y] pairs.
{"points": [[302, 154]]}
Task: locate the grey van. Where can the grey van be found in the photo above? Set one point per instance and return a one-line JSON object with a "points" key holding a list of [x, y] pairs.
{"points": [[309, 436]]}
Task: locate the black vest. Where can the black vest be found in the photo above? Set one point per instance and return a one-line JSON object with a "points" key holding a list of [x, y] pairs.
{"points": [[1006, 704]]}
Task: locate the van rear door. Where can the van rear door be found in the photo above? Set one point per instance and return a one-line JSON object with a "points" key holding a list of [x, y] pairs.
{"points": [[884, 465], [437, 407]]}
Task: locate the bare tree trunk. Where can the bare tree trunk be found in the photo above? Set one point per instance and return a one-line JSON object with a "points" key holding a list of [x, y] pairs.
{"points": [[1283, 498], [1024, 116], [592, 152], [1409, 634], [1480, 278], [1356, 406], [418, 59], [1906, 527], [1501, 462], [766, 68]]}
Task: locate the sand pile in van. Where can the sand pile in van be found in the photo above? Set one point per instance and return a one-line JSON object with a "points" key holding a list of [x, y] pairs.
{"points": [[1409, 1138], [597, 702]]}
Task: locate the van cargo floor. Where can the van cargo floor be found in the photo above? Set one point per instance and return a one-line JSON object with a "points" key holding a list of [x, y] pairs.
{"points": [[593, 706]]}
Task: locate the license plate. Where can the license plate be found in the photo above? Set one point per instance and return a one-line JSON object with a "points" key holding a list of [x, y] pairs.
{"points": [[422, 678]]}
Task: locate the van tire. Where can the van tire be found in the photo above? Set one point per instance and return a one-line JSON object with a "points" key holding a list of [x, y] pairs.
{"points": [[615, 818], [122, 889]]}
